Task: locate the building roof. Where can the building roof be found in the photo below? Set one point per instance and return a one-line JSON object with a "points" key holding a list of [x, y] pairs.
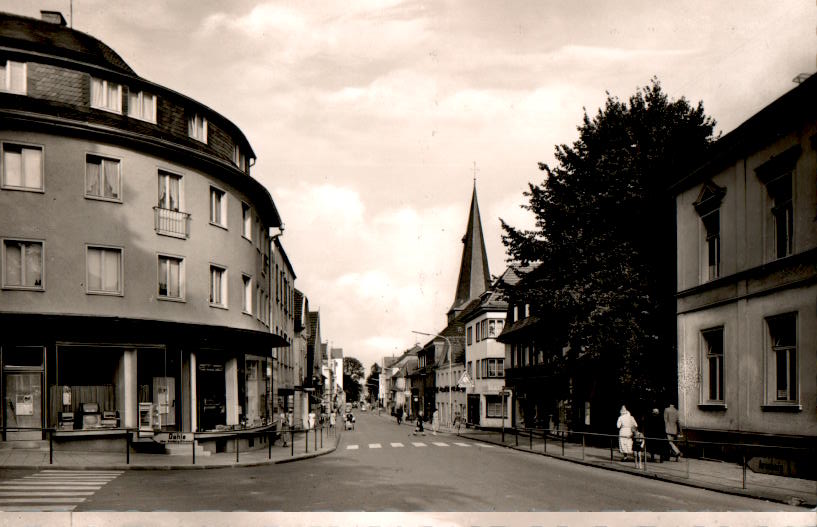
{"points": [[299, 303], [775, 120], [39, 36], [277, 242], [314, 320], [474, 277]]}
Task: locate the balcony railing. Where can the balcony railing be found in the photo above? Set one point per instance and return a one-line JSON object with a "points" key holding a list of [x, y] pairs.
{"points": [[171, 222]]}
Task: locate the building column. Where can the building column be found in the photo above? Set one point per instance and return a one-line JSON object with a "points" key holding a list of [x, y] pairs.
{"points": [[126, 389], [231, 387], [194, 418]]}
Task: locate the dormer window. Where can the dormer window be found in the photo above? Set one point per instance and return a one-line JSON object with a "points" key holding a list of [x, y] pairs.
{"points": [[239, 159], [106, 95], [13, 76], [197, 128], [142, 105]]}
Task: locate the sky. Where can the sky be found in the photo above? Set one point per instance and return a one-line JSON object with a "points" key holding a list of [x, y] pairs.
{"points": [[371, 119]]}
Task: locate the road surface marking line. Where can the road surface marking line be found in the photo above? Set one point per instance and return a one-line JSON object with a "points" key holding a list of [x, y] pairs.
{"points": [[54, 471], [483, 445], [374, 445], [19, 494], [42, 500], [397, 445], [351, 447], [439, 444], [45, 487], [81, 484], [418, 444], [463, 444]]}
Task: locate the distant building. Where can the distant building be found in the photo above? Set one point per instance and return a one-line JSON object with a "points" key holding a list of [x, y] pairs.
{"points": [[747, 280], [283, 324]]}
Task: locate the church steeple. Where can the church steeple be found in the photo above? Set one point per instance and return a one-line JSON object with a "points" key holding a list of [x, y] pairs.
{"points": [[474, 277]]}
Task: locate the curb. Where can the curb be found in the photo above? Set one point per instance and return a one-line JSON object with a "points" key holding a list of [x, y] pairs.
{"points": [[659, 477], [240, 464]]}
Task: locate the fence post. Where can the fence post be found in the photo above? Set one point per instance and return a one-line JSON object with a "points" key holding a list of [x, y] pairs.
{"points": [[545, 440], [321, 437], [563, 443], [236, 447], [530, 439], [516, 434], [306, 440], [611, 450], [127, 447], [291, 442], [269, 445], [316, 439], [50, 447], [582, 446], [194, 448], [744, 471]]}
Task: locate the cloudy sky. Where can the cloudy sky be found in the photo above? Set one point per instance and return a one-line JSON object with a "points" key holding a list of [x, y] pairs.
{"points": [[368, 117]]}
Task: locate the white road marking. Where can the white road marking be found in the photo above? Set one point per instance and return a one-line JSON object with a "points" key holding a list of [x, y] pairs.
{"points": [[374, 445], [18, 494], [463, 444], [39, 508], [42, 500], [53, 490], [397, 445], [48, 487], [483, 445], [351, 447], [439, 444], [418, 444]]}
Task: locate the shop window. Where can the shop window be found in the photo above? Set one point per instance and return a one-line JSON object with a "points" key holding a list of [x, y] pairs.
{"points": [[142, 105], [104, 270], [211, 391], [171, 277], [713, 366], [22, 167], [258, 391], [23, 265], [13, 76], [494, 407], [157, 375], [218, 286], [87, 394], [782, 363], [102, 177], [106, 95]]}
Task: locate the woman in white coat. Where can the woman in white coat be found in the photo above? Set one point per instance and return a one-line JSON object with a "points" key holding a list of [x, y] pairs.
{"points": [[626, 427]]}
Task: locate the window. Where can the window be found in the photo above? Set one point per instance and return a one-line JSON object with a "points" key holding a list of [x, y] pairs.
{"points": [[712, 225], [142, 105], [102, 177], [13, 76], [470, 369], [713, 368], [247, 295], [783, 358], [23, 264], [494, 407], [171, 277], [478, 331], [169, 191], [104, 270], [246, 225], [780, 190], [22, 167], [495, 368], [494, 328], [218, 207], [197, 128], [238, 158], [469, 335], [106, 95], [218, 286]]}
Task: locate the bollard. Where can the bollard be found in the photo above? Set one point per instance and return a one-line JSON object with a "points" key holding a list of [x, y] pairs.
{"points": [[563, 443], [306, 440], [316, 439], [127, 448], [611, 450], [545, 441], [530, 437], [292, 442], [236, 448], [269, 445], [744, 471], [516, 433], [321, 437], [194, 448], [50, 448]]}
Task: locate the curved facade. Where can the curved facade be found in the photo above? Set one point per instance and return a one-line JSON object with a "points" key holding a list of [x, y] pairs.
{"points": [[136, 275]]}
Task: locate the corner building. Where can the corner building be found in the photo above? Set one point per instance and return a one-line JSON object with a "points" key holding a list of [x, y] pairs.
{"points": [[134, 250]]}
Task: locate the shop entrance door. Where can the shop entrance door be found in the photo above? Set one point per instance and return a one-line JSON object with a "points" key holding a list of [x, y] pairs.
{"points": [[23, 412], [473, 409]]}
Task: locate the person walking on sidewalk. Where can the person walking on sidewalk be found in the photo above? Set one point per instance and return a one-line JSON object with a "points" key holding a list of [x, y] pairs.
{"points": [[672, 427], [626, 426], [435, 421], [399, 414], [284, 428]]}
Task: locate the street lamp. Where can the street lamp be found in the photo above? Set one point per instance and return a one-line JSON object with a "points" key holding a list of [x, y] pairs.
{"points": [[450, 376]]}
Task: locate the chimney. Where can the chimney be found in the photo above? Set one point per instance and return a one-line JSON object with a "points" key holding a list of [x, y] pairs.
{"points": [[54, 17]]}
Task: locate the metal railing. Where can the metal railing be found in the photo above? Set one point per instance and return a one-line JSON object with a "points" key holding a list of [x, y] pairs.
{"points": [[171, 222]]}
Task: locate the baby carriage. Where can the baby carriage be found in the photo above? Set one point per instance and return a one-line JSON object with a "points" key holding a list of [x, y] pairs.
{"points": [[349, 421]]}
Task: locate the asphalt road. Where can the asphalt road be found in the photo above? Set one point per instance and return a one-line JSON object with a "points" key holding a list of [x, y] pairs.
{"points": [[384, 467]]}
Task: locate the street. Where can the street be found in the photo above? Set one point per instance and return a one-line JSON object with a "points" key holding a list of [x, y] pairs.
{"points": [[379, 466]]}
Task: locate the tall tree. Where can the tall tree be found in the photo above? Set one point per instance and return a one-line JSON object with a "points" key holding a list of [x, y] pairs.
{"points": [[353, 373], [604, 236], [373, 382]]}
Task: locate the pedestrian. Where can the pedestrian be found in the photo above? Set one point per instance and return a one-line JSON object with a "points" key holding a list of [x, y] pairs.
{"points": [[435, 421], [672, 427], [626, 426], [311, 419], [639, 448], [655, 430], [418, 428], [283, 428], [332, 420], [399, 414]]}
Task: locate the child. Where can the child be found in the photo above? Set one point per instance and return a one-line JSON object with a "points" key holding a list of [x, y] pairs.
{"points": [[639, 448]]}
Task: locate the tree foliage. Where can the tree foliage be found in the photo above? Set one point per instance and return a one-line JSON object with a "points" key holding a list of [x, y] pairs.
{"points": [[604, 237], [373, 382], [353, 373]]}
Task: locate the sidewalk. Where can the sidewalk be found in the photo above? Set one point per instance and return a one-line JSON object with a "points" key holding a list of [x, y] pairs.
{"points": [[708, 474], [83, 460]]}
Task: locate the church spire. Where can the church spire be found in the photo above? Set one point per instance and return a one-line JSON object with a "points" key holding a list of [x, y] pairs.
{"points": [[474, 278]]}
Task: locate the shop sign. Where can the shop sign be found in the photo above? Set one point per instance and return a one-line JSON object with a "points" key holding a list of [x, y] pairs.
{"points": [[204, 366], [173, 437], [24, 404]]}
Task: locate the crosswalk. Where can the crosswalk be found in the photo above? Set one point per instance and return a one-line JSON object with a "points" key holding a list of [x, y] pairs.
{"points": [[419, 444], [53, 490]]}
